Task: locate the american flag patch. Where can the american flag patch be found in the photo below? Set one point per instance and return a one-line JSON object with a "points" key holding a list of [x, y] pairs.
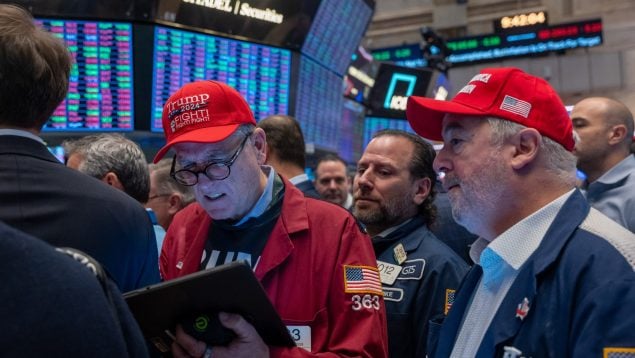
{"points": [[362, 279], [614, 352], [449, 300], [515, 105]]}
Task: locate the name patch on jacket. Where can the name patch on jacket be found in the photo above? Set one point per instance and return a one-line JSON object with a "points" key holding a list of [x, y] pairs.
{"points": [[412, 270], [362, 279]]}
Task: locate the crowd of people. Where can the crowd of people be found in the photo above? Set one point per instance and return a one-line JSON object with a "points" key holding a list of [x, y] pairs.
{"points": [[489, 247]]}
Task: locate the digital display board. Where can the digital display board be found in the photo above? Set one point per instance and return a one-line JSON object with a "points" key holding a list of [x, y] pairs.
{"points": [[100, 94], [549, 39], [336, 32], [393, 85], [275, 22], [89, 9], [351, 131], [375, 124], [409, 55], [319, 104], [360, 76], [260, 73]]}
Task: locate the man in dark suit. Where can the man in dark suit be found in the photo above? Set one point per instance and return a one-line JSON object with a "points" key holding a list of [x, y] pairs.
{"points": [[40, 195], [285, 151], [54, 306]]}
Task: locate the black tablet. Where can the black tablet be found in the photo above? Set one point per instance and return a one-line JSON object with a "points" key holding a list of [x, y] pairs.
{"points": [[227, 288]]}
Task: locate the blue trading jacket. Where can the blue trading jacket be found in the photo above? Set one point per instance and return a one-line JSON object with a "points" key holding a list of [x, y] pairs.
{"points": [[580, 291], [424, 288]]}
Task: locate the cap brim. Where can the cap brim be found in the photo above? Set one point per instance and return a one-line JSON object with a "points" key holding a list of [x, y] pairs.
{"points": [[426, 115], [203, 135]]}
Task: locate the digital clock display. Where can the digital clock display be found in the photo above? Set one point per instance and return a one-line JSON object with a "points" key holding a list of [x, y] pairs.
{"points": [[531, 19]]}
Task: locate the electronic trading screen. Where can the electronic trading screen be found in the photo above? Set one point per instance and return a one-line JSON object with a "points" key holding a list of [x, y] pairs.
{"points": [[336, 32], [351, 131], [260, 73], [375, 124], [319, 104], [100, 93]]}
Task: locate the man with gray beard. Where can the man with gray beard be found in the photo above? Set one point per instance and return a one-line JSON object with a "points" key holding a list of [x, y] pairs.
{"points": [[393, 192]]}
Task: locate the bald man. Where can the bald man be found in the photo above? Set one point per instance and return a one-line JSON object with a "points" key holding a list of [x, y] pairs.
{"points": [[605, 127]]}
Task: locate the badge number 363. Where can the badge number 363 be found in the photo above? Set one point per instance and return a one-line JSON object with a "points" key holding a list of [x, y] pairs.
{"points": [[365, 302]]}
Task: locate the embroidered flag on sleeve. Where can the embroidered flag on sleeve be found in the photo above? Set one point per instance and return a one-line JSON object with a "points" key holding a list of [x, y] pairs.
{"points": [[362, 279]]}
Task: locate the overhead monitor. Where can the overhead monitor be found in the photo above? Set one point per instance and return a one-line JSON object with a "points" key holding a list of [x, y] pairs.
{"points": [[530, 42], [260, 73], [360, 76], [336, 32], [122, 10], [393, 85], [275, 22], [100, 94], [319, 103]]}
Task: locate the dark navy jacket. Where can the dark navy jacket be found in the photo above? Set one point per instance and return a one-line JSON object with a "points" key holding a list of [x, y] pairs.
{"points": [[580, 287], [423, 290]]}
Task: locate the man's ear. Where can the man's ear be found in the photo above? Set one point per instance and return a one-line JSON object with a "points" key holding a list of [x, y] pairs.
{"points": [[526, 144], [618, 132], [175, 203], [422, 188], [260, 144], [113, 180]]}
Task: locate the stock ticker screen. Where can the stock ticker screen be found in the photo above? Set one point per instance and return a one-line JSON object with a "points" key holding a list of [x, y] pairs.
{"points": [[100, 94], [336, 32], [319, 102], [375, 124], [260, 73]]}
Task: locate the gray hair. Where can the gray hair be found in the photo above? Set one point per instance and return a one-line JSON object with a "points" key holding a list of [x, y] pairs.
{"points": [[166, 184], [104, 153], [559, 161]]}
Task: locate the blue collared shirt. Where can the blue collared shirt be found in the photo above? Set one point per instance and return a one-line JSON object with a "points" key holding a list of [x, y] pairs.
{"points": [[613, 193]]}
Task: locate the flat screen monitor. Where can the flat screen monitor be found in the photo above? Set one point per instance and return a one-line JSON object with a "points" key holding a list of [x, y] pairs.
{"points": [[393, 85], [319, 103], [336, 31], [351, 131], [375, 124], [100, 94], [282, 23], [122, 10], [360, 76], [260, 73]]}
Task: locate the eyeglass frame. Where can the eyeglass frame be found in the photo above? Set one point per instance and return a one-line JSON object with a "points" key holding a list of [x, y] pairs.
{"points": [[227, 163]]}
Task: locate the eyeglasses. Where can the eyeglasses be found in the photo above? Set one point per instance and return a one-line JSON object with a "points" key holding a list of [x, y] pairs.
{"points": [[213, 171]]}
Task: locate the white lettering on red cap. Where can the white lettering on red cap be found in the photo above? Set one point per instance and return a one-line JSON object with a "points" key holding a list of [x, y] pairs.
{"points": [[481, 77], [467, 89], [188, 110]]}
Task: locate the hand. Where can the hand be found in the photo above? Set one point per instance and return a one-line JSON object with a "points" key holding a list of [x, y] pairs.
{"points": [[247, 343]]}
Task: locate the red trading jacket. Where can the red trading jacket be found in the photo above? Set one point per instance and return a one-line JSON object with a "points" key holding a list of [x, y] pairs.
{"points": [[302, 269]]}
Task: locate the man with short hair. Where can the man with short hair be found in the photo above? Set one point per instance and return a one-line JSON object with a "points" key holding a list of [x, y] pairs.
{"points": [[285, 151], [167, 197], [41, 196], [393, 193], [313, 261], [553, 277], [605, 128], [332, 181], [117, 161]]}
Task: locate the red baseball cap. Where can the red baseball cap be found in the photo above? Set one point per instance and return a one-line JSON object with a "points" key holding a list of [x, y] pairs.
{"points": [[203, 112], [506, 93]]}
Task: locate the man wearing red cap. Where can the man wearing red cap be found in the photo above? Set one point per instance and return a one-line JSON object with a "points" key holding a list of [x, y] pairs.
{"points": [[553, 277], [315, 264]]}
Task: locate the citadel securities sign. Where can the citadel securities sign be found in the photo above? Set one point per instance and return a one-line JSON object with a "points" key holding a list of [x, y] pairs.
{"points": [[241, 9]]}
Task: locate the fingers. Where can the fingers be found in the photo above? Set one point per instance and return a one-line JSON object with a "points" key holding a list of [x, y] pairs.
{"points": [[243, 329], [186, 346]]}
